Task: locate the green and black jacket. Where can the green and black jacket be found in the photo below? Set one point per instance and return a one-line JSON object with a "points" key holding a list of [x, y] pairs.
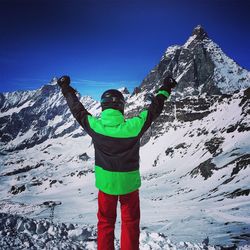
{"points": [[116, 142]]}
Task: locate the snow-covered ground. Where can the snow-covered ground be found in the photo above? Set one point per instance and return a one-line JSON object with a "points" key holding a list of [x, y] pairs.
{"points": [[17, 232], [177, 200]]}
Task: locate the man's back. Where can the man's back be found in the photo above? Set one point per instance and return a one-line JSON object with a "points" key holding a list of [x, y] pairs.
{"points": [[116, 143]]}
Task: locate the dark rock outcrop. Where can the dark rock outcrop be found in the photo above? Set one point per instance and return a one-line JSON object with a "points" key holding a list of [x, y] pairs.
{"points": [[205, 169]]}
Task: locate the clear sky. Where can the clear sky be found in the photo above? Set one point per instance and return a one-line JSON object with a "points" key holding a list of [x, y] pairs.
{"points": [[108, 43]]}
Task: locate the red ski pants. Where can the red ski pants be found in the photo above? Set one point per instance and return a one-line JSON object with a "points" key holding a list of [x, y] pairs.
{"points": [[130, 220]]}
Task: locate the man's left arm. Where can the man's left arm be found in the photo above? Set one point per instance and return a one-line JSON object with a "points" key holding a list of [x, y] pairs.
{"points": [[157, 102]]}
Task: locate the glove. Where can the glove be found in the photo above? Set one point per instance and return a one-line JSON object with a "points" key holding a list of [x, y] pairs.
{"points": [[168, 84], [63, 81]]}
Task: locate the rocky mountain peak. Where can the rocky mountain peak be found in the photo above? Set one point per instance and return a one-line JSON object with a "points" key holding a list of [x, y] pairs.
{"points": [[199, 32], [199, 66], [53, 81], [124, 90]]}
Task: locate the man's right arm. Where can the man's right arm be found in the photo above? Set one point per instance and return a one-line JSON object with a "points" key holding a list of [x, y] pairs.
{"points": [[76, 107]]}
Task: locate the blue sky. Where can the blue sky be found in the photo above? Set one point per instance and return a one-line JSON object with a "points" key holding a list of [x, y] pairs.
{"points": [[105, 44]]}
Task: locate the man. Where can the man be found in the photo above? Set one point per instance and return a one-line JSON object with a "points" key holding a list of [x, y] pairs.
{"points": [[117, 142]]}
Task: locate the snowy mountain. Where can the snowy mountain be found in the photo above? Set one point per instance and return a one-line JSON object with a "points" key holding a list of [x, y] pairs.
{"points": [[195, 161], [199, 66], [36, 116]]}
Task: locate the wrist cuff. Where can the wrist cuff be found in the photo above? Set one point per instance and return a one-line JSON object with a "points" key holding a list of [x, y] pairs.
{"points": [[67, 89], [163, 92]]}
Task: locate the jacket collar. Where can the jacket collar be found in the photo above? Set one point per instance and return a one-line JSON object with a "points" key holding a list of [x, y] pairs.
{"points": [[111, 117]]}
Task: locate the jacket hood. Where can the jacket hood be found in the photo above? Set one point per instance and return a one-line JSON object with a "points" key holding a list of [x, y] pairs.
{"points": [[112, 117]]}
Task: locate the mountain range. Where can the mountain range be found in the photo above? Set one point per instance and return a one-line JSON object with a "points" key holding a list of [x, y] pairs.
{"points": [[195, 158]]}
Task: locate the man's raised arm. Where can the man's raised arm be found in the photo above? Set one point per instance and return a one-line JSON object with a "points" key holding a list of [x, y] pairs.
{"points": [[75, 106], [157, 102]]}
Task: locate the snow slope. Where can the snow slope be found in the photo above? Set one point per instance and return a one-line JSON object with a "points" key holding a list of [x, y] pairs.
{"points": [[178, 197]]}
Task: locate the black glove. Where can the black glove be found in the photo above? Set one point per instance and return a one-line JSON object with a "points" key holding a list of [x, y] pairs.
{"points": [[168, 84], [63, 81]]}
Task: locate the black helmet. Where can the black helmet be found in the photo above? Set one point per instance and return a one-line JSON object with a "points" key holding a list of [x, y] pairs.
{"points": [[113, 99]]}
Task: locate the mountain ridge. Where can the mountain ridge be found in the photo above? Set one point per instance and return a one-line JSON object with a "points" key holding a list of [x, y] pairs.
{"points": [[195, 163], [199, 67]]}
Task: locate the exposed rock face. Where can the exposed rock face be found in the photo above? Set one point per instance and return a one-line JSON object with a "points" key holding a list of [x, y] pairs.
{"points": [[17, 189], [200, 33], [205, 169], [213, 145]]}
